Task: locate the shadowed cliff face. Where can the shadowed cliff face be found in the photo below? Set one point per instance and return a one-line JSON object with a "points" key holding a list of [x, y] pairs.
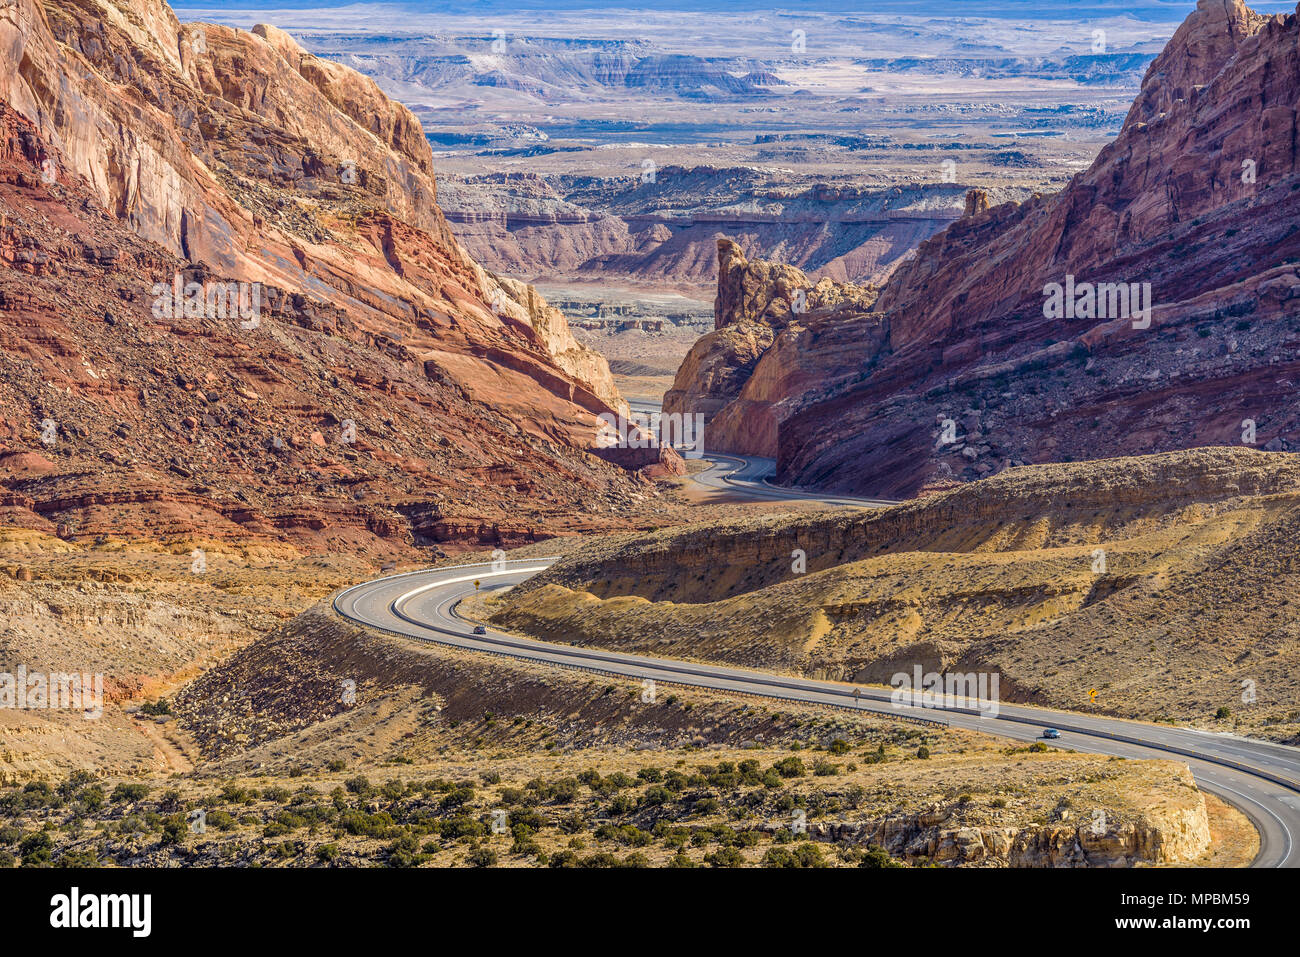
{"points": [[963, 367], [763, 311], [384, 389]]}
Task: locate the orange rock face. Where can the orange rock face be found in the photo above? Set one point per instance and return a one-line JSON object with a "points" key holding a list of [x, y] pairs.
{"points": [[965, 365], [759, 305], [346, 376]]}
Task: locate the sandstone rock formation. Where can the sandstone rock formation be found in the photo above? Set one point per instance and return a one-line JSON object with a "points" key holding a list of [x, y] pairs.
{"points": [[759, 304], [390, 390], [1162, 835], [587, 229], [964, 368]]}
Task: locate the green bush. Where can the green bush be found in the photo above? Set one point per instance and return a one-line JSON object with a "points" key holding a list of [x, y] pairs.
{"points": [[725, 857], [878, 857], [482, 857], [174, 829], [129, 793], [221, 820], [366, 825], [791, 767], [36, 847]]}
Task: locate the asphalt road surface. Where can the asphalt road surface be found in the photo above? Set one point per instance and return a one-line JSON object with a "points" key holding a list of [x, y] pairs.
{"points": [[1260, 779]]}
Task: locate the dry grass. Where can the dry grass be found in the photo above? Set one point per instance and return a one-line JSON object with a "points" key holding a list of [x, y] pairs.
{"points": [[1196, 597]]}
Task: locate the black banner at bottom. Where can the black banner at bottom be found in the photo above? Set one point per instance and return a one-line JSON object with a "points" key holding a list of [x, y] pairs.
{"points": [[338, 906]]}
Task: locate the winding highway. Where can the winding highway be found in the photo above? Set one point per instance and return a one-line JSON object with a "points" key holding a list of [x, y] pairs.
{"points": [[1259, 778], [751, 476]]}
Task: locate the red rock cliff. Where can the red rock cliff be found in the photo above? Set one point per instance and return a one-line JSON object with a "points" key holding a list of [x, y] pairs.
{"points": [[962, 370], [135, 149]]}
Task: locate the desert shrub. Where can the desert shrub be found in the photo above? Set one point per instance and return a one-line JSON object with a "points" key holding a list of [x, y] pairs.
{"points": [[791, 767], [359, 785], [482, 857], [221, 820], [725, 857], [83, 857], [511, 796], [778, 857], [233, 793], [524, 847], [368, 825], [129, 793], [457, 798], [461, 826], [657, 795], [627, 834], [878, 857], [623, 804], [705, 805], [36, 846], [174, 829], [529, 818], [573, 823]]}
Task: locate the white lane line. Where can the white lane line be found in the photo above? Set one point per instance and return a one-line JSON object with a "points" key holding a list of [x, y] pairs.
{"points": [[1271, 813], [402, 599], [560, 650]]}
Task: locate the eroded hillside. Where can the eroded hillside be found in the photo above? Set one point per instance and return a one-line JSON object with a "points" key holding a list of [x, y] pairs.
{"points": [[1165, 582], [345, 376]]}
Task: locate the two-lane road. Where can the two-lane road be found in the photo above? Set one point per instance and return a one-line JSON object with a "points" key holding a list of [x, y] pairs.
{"points": [[749, 475], [1261, 779]]}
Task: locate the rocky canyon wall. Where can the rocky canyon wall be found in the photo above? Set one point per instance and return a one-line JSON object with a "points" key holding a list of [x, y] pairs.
{"points": [[961, 367]]}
